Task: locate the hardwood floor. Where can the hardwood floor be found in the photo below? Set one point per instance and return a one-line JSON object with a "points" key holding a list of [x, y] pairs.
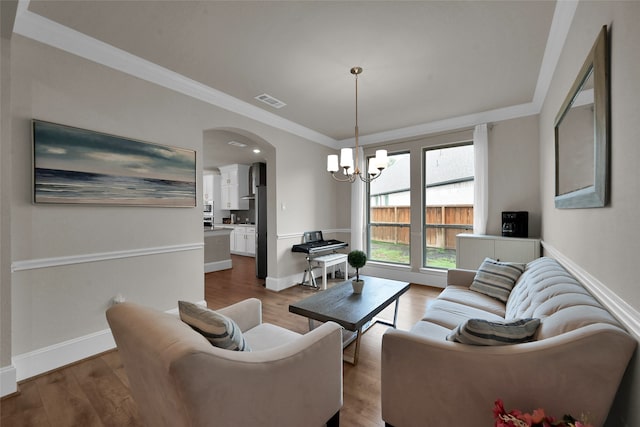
{"points": [[95, 391]]}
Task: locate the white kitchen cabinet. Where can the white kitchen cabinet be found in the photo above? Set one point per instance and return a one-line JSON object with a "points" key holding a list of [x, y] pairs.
{"points": [[472, 249], [234, 184], [207, 187], [243, 241]]}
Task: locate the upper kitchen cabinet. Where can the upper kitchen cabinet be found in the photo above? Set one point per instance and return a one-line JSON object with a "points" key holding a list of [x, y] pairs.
{"points": [[234, 183], [207, 188]]}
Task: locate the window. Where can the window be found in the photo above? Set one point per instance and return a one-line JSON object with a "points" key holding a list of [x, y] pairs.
{"points": [[448, 202], [390, 212]]}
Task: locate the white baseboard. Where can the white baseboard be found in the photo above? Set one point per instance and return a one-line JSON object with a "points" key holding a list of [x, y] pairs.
{"points": [[55, 356], [429, 277], [626, 314], [8, 383], [436, 278], [218, 265], [281, 283]]}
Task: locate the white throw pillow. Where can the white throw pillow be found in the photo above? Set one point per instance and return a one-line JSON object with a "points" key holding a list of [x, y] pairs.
{"points": [[486, 332], [217, 328], [496, 279]]}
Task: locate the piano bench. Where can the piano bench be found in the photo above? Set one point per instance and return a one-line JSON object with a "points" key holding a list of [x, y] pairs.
{"points": [[331, 260]]}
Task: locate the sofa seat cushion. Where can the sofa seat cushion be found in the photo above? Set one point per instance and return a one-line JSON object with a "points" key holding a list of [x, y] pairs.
{"points": [[463, 295], [450, 314], [431, 330], [266, 336]]}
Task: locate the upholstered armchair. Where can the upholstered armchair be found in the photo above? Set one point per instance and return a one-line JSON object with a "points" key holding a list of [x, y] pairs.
{"points": [[178, 378]]}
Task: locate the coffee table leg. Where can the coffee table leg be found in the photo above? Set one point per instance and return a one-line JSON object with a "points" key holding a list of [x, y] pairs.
{"points": [[386, 322], [356, 353], [395, 313]]}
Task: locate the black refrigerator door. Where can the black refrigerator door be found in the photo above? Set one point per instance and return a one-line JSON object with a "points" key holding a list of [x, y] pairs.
{"points": [[261, 232]]}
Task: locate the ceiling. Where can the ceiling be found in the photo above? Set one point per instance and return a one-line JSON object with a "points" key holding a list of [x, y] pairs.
{"points": [[424, 61]]}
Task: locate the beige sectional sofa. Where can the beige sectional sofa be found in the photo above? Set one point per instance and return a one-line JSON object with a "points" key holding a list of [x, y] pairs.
{"points": [[573, 365]]}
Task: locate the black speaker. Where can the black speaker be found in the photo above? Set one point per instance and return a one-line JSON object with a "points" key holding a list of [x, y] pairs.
{"points": [[515, 224]]}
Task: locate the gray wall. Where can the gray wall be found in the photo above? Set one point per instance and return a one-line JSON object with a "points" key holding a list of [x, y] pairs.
{"points": [[5, 203], [514, 173], [52, 306], [606, 241]]}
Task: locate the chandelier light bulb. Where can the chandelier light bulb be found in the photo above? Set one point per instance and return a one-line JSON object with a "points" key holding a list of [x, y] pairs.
{"points": [[346, 158], [382, 159]]}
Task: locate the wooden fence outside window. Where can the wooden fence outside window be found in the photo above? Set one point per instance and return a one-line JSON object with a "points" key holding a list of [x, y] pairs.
{"points": [[392, 224]]}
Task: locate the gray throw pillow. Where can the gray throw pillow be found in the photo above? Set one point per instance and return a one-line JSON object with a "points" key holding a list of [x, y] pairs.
{"points": [[217, 328], [496, 278], [486, 332]]}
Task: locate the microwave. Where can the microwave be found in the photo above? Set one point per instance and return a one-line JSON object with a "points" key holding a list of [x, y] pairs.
{"points": [[208, 207]]}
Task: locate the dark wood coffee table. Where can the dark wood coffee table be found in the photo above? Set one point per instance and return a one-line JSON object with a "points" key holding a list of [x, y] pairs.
{"points": [[354, 312]]}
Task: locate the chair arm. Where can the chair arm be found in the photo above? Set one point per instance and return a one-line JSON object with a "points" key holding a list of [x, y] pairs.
{"points": [[460, 277], [431, 382], [298, 383], [246, 313]]}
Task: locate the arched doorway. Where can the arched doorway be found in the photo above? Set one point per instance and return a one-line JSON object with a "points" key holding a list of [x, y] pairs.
{"points": [[232, 146]]}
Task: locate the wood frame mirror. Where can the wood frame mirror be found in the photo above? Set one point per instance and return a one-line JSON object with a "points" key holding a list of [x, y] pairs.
{"points": [[582, 134]]}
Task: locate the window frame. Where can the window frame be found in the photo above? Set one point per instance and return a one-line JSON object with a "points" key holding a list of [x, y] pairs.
{"points": [[368, 213], [423, 197]]}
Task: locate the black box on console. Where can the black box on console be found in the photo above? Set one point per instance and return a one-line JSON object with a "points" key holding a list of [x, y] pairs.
{"points": [[515, 224]]}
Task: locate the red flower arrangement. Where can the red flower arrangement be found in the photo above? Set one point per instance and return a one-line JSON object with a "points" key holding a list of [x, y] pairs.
{"points": [[537, 418]]}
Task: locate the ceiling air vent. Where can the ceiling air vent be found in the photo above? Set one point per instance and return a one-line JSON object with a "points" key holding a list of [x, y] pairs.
{"points": [[270, 100]]}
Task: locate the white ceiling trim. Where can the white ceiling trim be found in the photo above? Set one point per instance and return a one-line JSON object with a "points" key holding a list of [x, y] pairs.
{"points": [[560, 24], [562, 18], [454, 123], [36, 27]]}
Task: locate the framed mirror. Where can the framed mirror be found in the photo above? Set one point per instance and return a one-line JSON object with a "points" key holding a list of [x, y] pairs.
{"points": [[582, 134]]}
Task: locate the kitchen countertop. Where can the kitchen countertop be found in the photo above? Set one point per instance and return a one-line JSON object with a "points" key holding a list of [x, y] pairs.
{"points": [[216, 231]]}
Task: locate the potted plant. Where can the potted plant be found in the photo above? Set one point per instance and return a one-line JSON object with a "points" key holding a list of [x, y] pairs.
{"points": [[357, 259]]}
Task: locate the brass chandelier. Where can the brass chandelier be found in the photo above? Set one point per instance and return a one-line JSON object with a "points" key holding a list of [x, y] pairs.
{"points": [[351, 169]]}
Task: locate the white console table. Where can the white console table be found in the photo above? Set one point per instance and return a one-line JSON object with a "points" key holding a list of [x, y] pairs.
{"points": [[472, 249]]}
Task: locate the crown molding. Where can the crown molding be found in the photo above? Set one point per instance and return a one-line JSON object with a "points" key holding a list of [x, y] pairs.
{"points": [[454, 123], [43, 30], [562, 18]]}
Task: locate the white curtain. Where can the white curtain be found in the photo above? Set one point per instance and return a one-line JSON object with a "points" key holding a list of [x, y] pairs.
{"points": [[357, 207], [481, 184]]}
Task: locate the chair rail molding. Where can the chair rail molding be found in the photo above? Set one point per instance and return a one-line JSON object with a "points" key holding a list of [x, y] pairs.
{"points": [[626, 314], [33, 264]]}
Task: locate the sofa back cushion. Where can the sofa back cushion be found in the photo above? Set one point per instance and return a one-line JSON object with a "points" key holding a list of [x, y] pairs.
{"points": [[549, 292]]}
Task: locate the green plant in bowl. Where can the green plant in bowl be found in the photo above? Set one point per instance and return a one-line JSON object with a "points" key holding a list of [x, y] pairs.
{"points": [[357, 259]]}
